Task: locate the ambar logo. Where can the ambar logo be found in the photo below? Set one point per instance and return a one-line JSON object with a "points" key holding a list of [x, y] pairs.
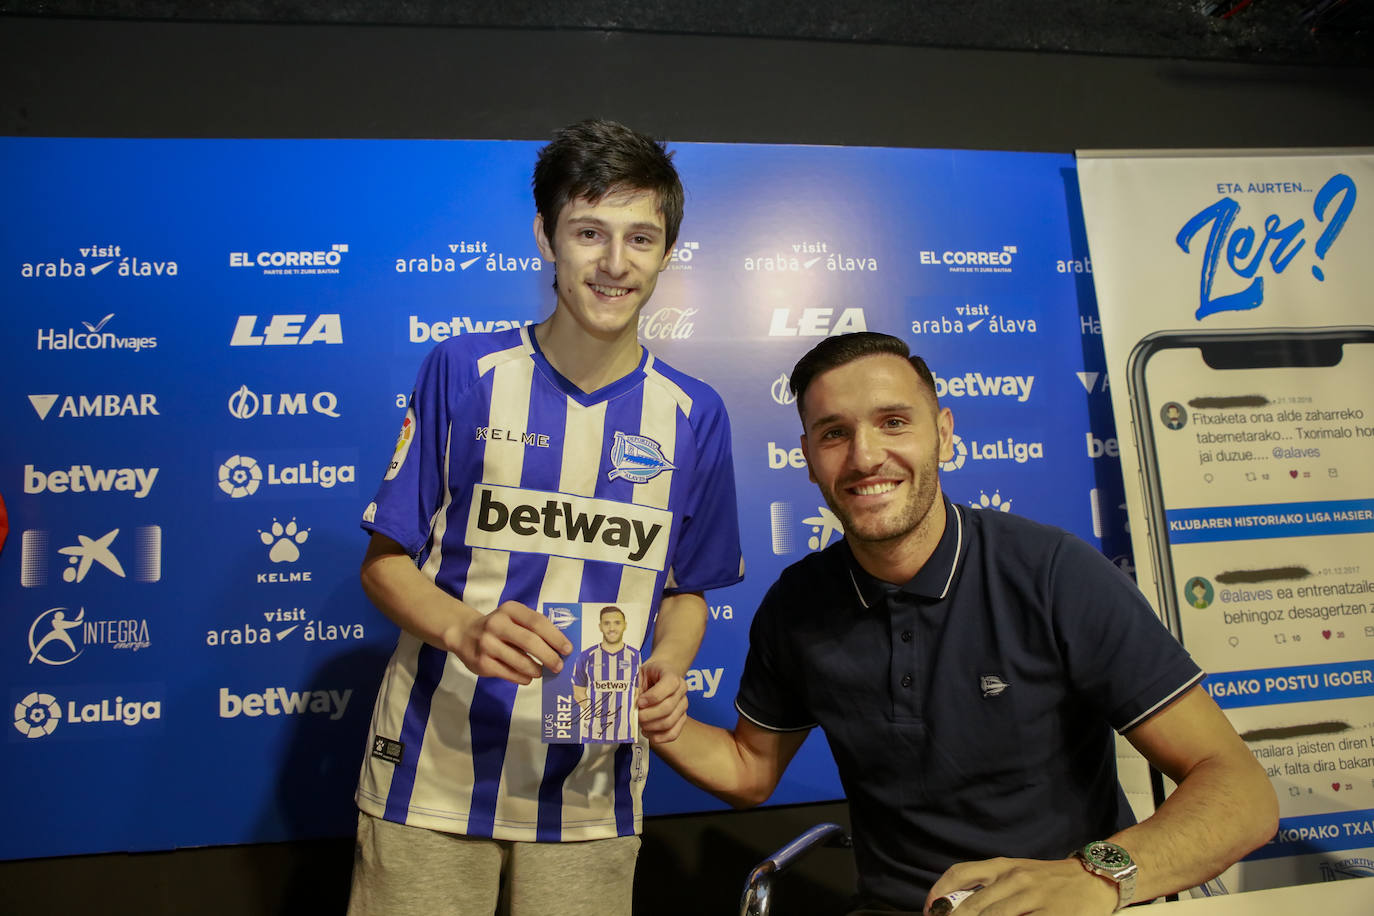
{"points": [[95, 405]]}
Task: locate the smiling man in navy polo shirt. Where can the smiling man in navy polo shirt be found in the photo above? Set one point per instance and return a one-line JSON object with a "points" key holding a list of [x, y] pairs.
{"points": [[968, 669]]}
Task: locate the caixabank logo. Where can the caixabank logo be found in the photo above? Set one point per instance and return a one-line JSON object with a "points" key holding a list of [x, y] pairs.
{"points": [[137, 557], [285, 474], [89, 261], [90, 712]]}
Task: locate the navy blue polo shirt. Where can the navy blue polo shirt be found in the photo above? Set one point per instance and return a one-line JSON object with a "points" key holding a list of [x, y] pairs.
{"points": [[970, 711]]}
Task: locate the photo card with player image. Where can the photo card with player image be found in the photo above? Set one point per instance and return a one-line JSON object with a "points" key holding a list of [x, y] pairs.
{"points": [[592, 700]]}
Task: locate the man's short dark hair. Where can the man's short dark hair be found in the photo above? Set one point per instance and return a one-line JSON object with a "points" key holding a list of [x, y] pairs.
{"points": [[834, 352], [608, 608], [593, 158]]}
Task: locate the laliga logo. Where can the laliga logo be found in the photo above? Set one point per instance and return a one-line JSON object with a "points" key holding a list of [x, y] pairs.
{"points": [[960, 456], [37, 715], [240, 476]]}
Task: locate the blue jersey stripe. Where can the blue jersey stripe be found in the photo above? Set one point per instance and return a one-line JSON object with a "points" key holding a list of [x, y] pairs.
{"points": [[489, 720], [559, 763], [624, 797], [429, 668]]}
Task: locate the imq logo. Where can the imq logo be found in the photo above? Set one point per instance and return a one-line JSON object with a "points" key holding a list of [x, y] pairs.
{"points": [[781, 390], [246, 404]]}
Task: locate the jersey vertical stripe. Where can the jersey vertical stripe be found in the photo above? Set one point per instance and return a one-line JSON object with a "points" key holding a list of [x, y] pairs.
{"points": [[536, 504], [503, 462], [422, 671], [581, 459]]}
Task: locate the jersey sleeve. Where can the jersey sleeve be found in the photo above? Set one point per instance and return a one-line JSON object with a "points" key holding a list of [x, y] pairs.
{"points": [[769, 693], [414, 485], [708, 553], [1117, 652]]}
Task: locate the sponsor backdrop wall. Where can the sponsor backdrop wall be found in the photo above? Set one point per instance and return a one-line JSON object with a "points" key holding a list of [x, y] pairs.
{"points": [[207, 347], [1239, 336]]}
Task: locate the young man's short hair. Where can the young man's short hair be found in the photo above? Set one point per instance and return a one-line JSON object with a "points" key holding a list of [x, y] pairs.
{"points": [[592, 158], [608, 609], [834, 352]]}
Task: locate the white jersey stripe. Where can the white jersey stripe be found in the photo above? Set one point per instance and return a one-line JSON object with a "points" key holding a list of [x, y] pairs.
{"points": [[504, 459]]}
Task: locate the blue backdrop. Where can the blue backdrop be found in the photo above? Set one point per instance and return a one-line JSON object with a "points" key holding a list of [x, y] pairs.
{"points": [[206, 351]]}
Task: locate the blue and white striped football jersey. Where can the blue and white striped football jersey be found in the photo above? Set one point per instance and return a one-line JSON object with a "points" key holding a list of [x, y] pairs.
{"points": [[510, 483], [609, 678]]}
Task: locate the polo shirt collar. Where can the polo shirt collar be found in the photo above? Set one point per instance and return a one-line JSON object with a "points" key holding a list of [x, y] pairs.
{"points": [[934, 580]]}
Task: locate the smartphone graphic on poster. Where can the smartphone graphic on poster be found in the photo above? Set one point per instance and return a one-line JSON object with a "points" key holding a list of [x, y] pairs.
{"points": [[1257, 469], [1257, 465]]}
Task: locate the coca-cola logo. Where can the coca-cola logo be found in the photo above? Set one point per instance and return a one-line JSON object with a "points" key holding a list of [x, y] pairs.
{"points": [[668, 323]]}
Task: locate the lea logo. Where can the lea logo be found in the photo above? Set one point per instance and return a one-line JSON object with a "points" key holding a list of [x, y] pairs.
{"points": [[287, 330], [816, 322]]}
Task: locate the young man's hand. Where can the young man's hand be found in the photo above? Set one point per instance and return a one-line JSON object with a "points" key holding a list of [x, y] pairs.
{"points": [[513, 642], [662, 702]]}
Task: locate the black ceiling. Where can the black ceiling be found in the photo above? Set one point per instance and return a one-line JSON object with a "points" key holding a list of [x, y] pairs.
{"points": [[1322, 32]]}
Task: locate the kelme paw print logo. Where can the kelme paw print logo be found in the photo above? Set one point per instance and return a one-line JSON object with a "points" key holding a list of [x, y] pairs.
{"points": [[283, 540], [995, 501]]}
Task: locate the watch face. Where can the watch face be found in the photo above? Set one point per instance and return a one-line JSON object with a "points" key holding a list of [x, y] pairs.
{"points": [[1108, 855]]}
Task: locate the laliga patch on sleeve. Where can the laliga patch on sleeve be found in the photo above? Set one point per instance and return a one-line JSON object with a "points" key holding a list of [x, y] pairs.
{"points": [[403, 440], [592, 700]]}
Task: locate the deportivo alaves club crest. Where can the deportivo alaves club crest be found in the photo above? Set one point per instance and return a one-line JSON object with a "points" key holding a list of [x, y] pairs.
{"points": [[638, 459]]}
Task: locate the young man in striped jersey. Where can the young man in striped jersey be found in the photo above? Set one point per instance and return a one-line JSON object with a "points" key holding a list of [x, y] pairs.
{"points": [[536, 467], [604, 679]]}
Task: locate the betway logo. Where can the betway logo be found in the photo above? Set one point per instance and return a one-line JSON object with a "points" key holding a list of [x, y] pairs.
{"points": [[96, 405], [443, 330], [976, 384], [285, 330], [82, 478], [560, 524], [704, 680], [278, 701]]}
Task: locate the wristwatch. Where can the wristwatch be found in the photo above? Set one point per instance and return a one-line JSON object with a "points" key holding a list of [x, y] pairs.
{"points": [[1112, 862]]}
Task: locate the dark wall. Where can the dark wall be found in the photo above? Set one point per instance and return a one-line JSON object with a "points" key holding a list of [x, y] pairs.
{"points": [[93, 78]]}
